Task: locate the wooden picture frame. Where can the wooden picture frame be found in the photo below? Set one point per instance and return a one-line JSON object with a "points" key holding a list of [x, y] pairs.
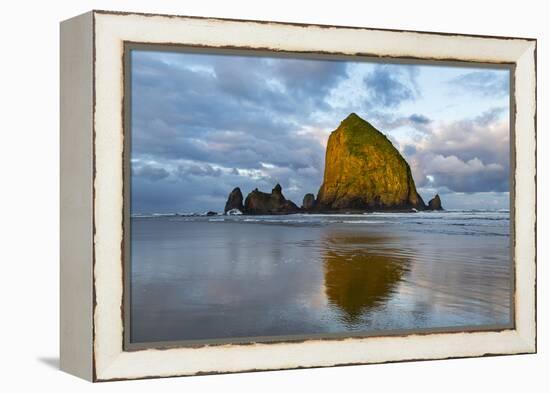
{"points": [[93, 190]]}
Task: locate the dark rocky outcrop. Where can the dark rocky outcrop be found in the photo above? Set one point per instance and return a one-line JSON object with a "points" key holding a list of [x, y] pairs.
{"points": [[364, 171], [258, 202], [435, 203], [234, 200], [308, 202]]}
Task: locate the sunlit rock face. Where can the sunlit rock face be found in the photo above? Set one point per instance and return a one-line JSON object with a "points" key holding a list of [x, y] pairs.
{"points": [[364, 171]]}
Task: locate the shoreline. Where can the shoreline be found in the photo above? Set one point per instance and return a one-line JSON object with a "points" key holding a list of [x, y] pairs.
{"points": [[318, 213]]}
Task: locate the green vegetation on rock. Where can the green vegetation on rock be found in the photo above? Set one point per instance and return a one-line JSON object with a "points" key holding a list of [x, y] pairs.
{"points": [[364, 171]]}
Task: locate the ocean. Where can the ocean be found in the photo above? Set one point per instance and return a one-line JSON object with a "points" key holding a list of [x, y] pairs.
{"points": [[273, 277]]}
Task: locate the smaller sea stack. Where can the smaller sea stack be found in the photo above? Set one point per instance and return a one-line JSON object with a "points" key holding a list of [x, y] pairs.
{"points": [[234, 201], [435, 203], [308, 202], [258, 202]]}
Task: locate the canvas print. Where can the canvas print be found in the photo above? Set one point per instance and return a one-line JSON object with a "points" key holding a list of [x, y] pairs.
{"points": [[276, 198]]}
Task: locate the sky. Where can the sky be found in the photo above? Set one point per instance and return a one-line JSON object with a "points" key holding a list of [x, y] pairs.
{"points": [[202, 124]]}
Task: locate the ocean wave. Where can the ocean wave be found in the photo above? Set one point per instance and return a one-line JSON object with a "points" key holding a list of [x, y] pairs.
{"points": [[364, 222], [152, 215], [452, 223], [473, 213]]}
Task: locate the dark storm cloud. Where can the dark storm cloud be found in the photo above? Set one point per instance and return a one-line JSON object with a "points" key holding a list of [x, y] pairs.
{"points": [[228, 116], [198, 170], [150, 172], [238, 113], [236, 93], [390, 85], [485, 83], [389, 122], [419, 119], [310, 80]]}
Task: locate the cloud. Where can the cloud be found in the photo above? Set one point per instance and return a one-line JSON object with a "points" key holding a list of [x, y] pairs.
{"points": [[485, 136], [469, 155], [484, 83], [227, 116], [204, 124], [313, 77], [466, 176], [419, 119], [390, 85], [389, 122], [198, 170], [149, 172]]}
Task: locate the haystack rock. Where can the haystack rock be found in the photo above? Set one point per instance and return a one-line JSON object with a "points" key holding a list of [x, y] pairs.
{"points": [[234, 201], [309, 202], [435, 203], [258, 202], [364, 171]]}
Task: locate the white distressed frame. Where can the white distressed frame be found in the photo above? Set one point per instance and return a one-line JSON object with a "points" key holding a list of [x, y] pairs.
{"points": [[111, 30]]}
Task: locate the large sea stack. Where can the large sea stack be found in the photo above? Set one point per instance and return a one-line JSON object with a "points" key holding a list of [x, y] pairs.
{"points": [[364, 171], [258, 202]]}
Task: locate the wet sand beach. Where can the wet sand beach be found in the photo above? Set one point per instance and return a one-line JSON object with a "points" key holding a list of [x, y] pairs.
{"points": [[206, 278]]}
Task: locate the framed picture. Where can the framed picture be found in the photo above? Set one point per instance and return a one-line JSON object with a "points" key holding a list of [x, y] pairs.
{"points": [[245, 195]]}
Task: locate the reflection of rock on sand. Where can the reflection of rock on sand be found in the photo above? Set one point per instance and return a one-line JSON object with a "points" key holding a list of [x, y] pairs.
{"points": [[360, 274]]}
